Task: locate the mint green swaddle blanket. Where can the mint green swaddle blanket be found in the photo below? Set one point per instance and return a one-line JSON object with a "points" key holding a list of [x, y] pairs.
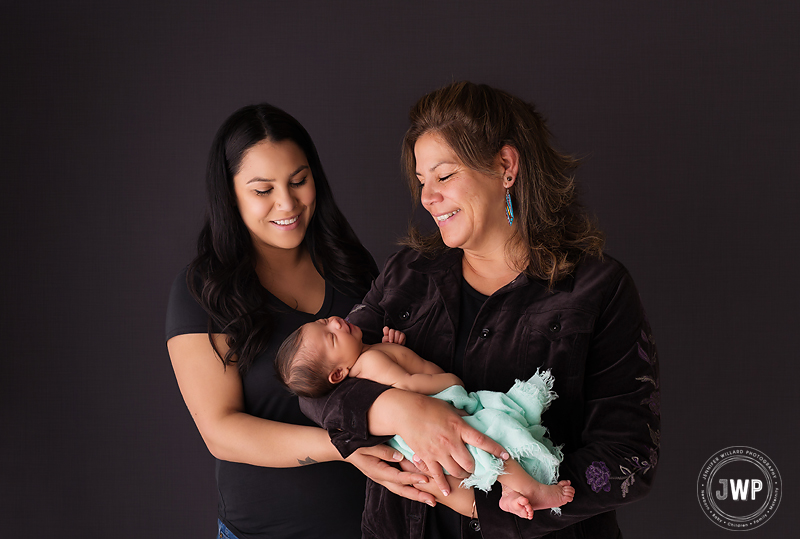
{"points": [[514, 420]]}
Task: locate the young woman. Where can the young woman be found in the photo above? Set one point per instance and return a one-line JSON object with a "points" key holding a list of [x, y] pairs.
{"points": [[275, 252]]}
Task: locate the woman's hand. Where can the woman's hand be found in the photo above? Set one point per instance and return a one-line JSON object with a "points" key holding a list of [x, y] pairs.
{"points": [[434, 430], [374, 463]]}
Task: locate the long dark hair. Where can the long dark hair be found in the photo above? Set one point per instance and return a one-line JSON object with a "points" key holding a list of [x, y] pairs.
{"points": [[476, 121], [223, 278]]}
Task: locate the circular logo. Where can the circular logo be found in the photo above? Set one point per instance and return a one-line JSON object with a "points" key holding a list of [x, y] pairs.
{"points": [[739, 488]]}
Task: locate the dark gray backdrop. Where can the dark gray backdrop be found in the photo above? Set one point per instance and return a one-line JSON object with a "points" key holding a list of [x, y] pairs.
{"points": [[686, 114]]}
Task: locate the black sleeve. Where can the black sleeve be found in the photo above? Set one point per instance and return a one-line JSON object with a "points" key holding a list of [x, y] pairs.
{"points": [[343, 412], [184, 314], [617, 461]]}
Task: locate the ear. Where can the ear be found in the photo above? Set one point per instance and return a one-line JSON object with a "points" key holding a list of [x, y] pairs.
{"points": [[509, 160], [337, 375]]}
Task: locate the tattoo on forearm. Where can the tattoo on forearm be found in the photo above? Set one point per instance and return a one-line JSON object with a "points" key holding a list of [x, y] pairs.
{"points": [[306, 461]]}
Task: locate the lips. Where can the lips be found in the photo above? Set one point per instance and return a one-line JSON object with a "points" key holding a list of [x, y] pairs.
{"points": [[287, 222], [441, 219]]}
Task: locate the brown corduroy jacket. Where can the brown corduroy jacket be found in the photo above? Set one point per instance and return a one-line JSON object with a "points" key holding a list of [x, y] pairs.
{"points": [[589, 330]]}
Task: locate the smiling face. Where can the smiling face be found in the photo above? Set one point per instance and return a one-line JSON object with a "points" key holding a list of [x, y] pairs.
{"points": [[275, 194], [335, 342], [467, 206]]}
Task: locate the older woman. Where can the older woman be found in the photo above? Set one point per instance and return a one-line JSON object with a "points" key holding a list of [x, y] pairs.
{"points": [[512, 280]]}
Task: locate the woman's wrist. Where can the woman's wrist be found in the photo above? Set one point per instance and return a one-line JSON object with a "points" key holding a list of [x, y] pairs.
{"points": [[316, 448], [329, 451]]}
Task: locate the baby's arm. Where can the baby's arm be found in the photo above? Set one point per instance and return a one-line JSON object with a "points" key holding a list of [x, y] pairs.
{"points": [[410, 360], [421, 370], [388, 365]]}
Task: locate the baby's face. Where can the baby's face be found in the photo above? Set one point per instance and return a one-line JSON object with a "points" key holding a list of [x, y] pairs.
{"points": [[334, 340]]}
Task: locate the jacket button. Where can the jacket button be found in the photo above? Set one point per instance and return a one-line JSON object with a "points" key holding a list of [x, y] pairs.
{"points": [[555, 326], [404, 315], [485, 333], [474, 525]]}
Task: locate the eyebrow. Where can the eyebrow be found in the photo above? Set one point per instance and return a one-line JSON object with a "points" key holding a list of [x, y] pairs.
{"points": [[437, 165], [300, 169]]}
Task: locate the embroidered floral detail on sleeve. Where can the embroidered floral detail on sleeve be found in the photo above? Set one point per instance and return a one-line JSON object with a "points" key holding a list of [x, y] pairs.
{"points": [[655, 435], [654, 400], [598, 476], [629, 474]]}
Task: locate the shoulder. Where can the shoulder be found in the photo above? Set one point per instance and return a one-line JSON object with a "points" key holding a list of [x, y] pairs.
{"points": [[371, 364], [596, 272], [408, 261], [407, 278], [179, 292], [184, 313], [385, 349], [609, 285], [402, 258], [378, 352], [591, 286]]}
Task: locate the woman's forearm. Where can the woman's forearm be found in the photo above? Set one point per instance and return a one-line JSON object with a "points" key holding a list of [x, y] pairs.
{"points": [[215, 398], [428, 384], [240, 437]]}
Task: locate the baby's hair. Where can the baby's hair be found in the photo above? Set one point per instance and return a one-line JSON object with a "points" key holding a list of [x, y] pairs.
{"points": [[298, 369]]}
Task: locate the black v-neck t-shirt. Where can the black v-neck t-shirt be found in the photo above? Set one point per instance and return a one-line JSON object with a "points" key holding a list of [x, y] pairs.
{"points": [[442, 522], [318, 501]]}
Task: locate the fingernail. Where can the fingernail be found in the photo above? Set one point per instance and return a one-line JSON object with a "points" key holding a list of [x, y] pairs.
{"points": [[430, 503], [423, 481], [397, 456], [446, 492], [416, 458], [504, 455]]}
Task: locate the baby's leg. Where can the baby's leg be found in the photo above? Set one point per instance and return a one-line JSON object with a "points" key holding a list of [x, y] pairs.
{"points": [[459, 500], [538, 495]]}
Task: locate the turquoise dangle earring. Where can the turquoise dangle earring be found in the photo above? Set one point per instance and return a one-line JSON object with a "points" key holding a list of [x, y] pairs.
{"points": [[509, 208]]}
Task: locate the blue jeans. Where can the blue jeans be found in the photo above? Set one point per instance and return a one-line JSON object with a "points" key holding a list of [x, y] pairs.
{"points": [[224, 532]]}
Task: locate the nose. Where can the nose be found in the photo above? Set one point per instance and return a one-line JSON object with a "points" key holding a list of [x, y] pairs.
{"points": [[285, 200], [430, 194], [335, 321]]}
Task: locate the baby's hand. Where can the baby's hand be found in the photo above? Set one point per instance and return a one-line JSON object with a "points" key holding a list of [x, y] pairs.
{"points": [[394, 336]]}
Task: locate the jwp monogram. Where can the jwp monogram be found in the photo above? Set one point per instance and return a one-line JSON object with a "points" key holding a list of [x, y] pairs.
{"points": [[739, 489]]}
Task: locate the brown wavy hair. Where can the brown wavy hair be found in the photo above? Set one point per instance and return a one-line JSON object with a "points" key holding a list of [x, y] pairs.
{"points": [[476, 121]]}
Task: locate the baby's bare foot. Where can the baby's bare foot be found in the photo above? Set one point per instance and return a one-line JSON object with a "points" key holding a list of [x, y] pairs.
{"points": [[515, 503], [553, 495]]}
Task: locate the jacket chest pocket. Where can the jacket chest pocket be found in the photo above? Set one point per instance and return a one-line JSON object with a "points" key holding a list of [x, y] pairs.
{"points": [[425, 323], [557, 340]]}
